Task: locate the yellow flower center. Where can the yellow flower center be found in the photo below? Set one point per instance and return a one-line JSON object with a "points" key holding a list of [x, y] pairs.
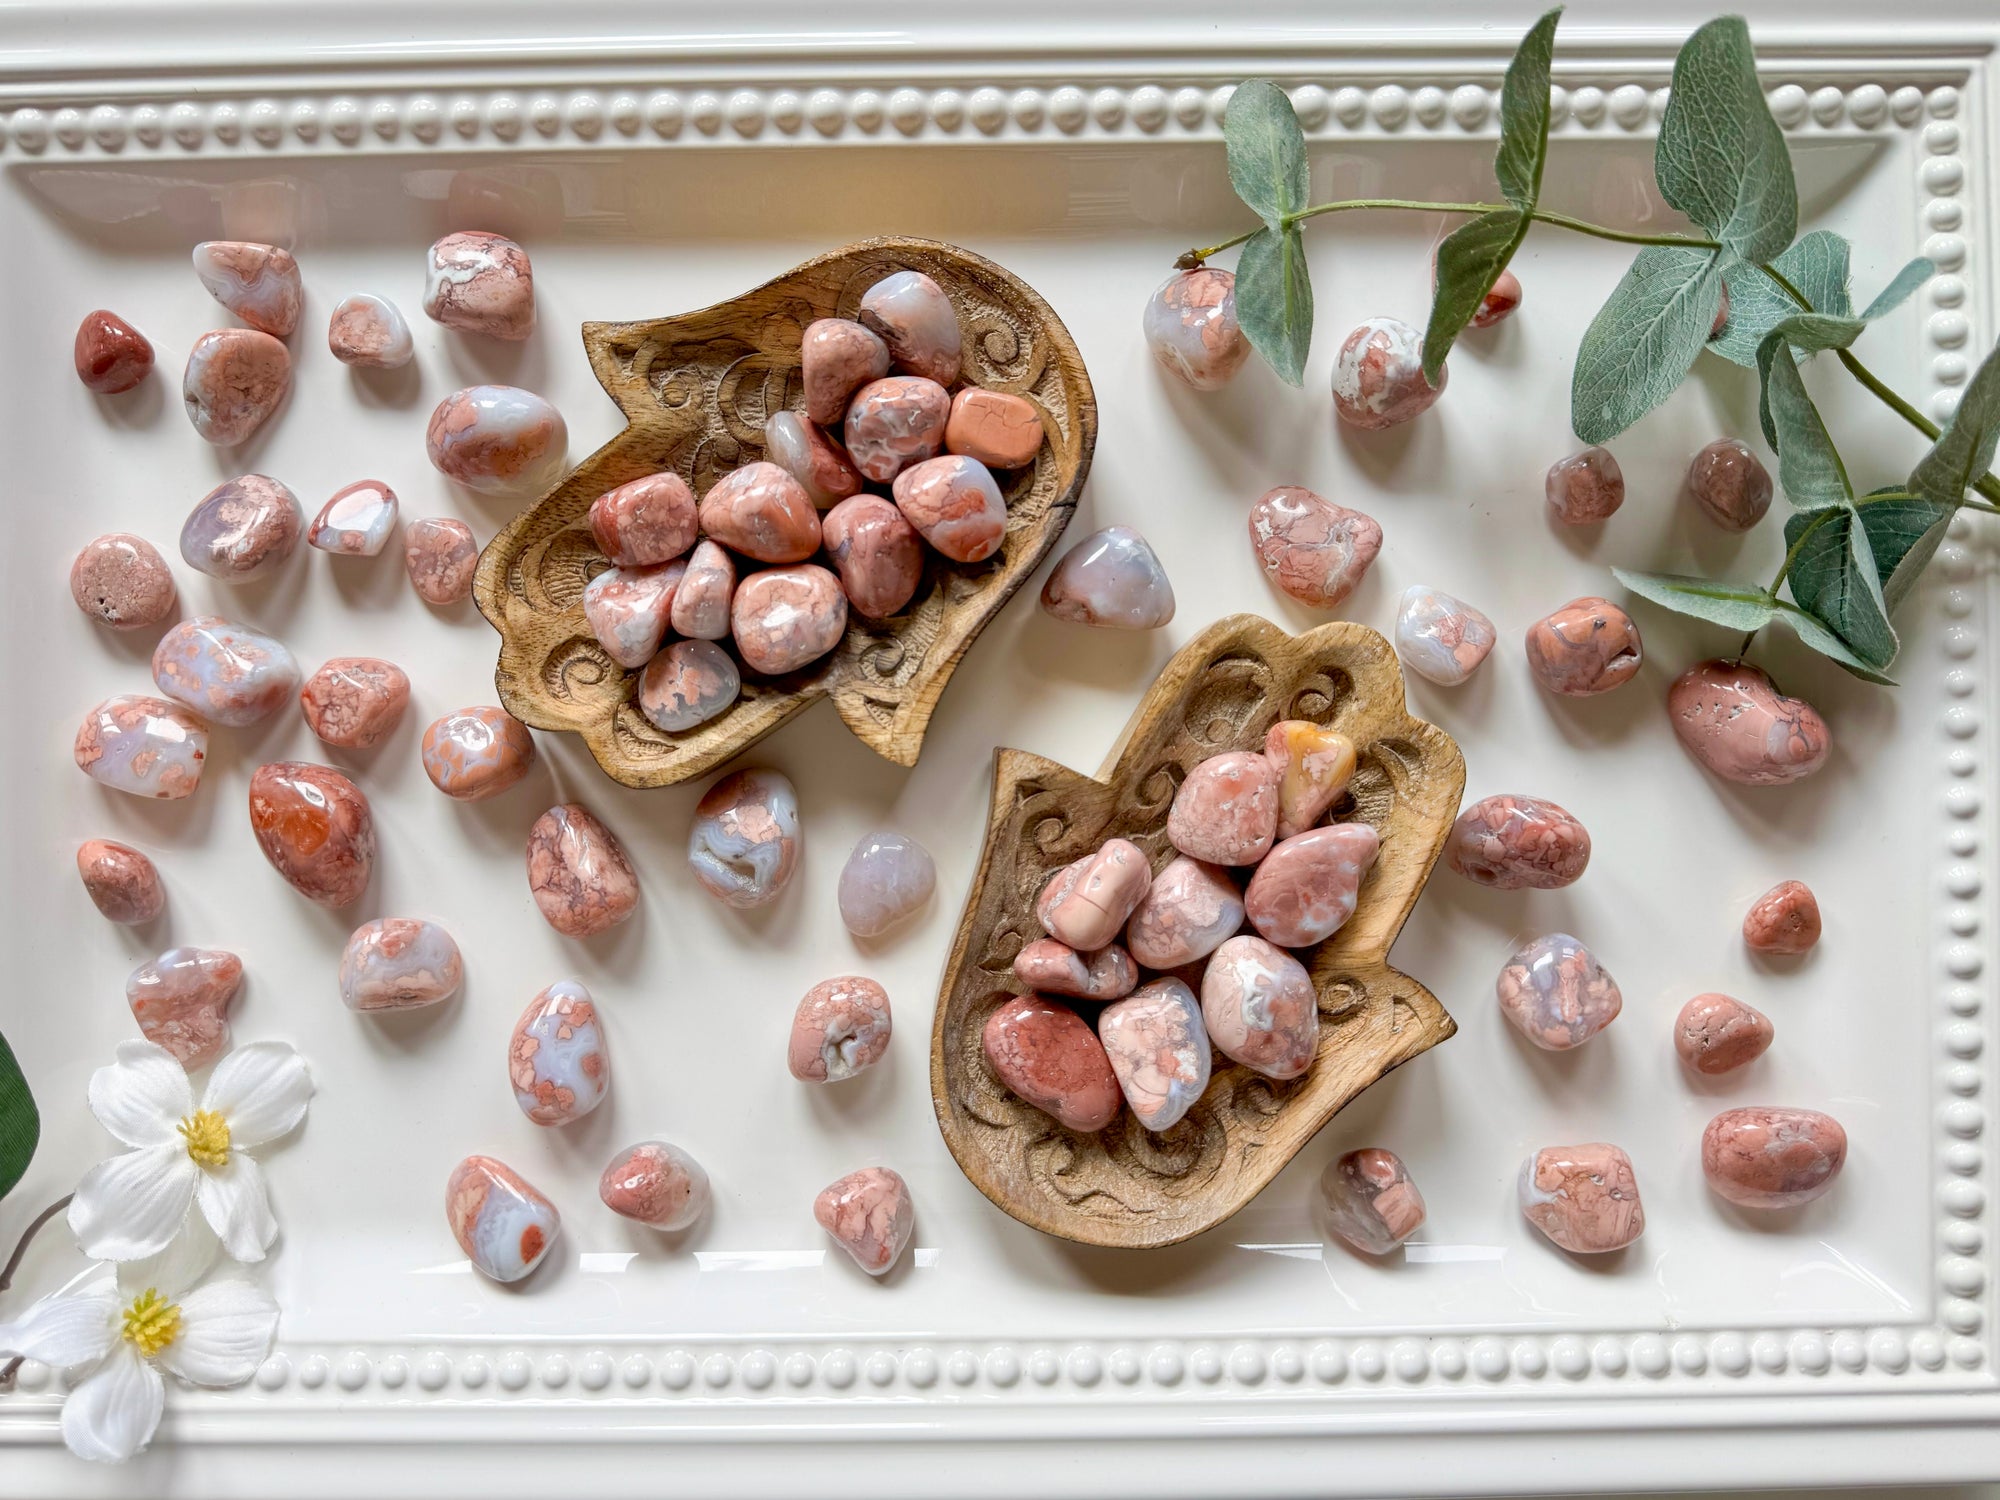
{"points": [[207, 1137], [151, 1322]]}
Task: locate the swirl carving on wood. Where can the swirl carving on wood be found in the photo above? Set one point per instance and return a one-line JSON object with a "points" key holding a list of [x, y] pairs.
{"points": [[696, 390], [1126, 1186]]}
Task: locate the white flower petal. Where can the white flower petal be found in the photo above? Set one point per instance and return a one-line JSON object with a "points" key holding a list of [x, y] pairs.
{"points": [[226, 1330], [65, 1331], [132, 1205], [143, 1096], [112, 1412], [261, 1089], [234, 1201], [175, 1269]]}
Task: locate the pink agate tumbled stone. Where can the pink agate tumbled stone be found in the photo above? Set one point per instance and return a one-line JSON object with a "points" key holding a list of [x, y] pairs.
{"points": [[123, 884], [142, 745], [357, 521], [1378, 376], [399, 963], [744, 843], [1226, 811], [1055, 968], [870, 1215], [1046, 1054], [370, 332], [1260, 1007], [878, 553], [762, 512], [1764, 1156], [688, 684], [655, 1184], [1001, 430], [181, 1001], [1585, 488], [441, 558], [841, 1026], [478, 282], [578, 872], [811, 457], [1158, 1049], [121, 580], [1306, 887], [497, 439], [785, 618], [111, 355], [1508, 842], [1311, 548], [1112, 579], [1370, 1201], [1733, 720], [1584, 1198], [911, 314], [225, 673], [955, 505], [1719, 1033], [701, 603], [626, 609], [556, 1058], [1784, 920], [475, 753], [1190, 325], [1314, 766], [316, 829], [1085, 903], [242, 529], [355, 702], [1440, 637], [1730, 484], [895, 422], [504, 1225], [1589, 646], [837, 357], [234, 380], [259, 283], [1557, 994], [887, 879], [1186, 914], [645, 521]]}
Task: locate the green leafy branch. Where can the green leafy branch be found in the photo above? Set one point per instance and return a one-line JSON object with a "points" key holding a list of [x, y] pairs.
{"points": [[1721, 160]]}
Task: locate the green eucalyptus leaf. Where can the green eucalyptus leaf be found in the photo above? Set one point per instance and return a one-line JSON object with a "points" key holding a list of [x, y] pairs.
{"points": [[1274, 301], [1808, 333], [1816, 265], [1721, 158], [1524, 115], [1809, 466], [1964, 450], [1898, 291], [20, 1122], [1904, 532], [1814, 634], [1468, 263], [1267, 151], [1739, 606], [1833, 577], [1768, 354], [1638, 348]]}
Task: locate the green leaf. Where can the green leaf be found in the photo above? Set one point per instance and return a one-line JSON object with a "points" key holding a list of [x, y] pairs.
{"points": [[20, 1123], [1274, 300], [1816, 265], [1267, 151], [1524, 115], [1809, 466], [1808, 333], [1638, 348], [1898, 291], [1904, 533], [1468, 263], [1738, 606], [1964, 450], [1833, 577], [1815, 635], [1721, 158]]}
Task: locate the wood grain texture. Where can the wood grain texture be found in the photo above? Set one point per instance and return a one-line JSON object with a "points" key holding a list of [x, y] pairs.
{"points": [[1126, 1186], [696, 390]]}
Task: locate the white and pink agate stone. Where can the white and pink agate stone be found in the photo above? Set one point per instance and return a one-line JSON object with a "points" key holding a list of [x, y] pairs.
{"points": [[1370, 1201], [370, 332], [1158, 1049], [870, 1215], [1584, 1198], [556, 1058], [579, 874], [687, 684], [1769, 1156], [234, 380], [1305, 889], [763, 513], [356, 522], [656, 1184], [1378, 376], [895, 422], [181, 1000], [1260, 1007], [1054, 968], [474, 753], [1441, 638], [744, 843], [878, 553], [1314, 765], [505, 1226], [355, 702], [441, 557], [121, 580], [1226, 811], [399, 963], [811, 457], [841, 1027], [1731, 718], [259, 283], [1189, 911], [123, 884], [956, 506], [1311, 548], [1557, 994], [143, 745], [477, 282], [783, 619], [837, 357], [888, 878], [1112, 579], [1190, 325], [228, 674], [1085, 903], [647, 520], [911, 314], [242, 529], [497, 439], [701, 603], [626, 609]]}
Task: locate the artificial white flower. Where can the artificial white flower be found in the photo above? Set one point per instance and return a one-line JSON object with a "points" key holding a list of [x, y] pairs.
{"points": [[133, 1205], [121, 1331]]}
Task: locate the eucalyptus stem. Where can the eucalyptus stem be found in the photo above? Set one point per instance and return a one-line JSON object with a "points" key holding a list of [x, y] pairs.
{"points": [[13, 1366]]}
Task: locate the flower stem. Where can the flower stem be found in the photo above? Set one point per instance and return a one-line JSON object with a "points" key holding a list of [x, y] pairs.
{"points": [[13, 1366], [1192, 258]]}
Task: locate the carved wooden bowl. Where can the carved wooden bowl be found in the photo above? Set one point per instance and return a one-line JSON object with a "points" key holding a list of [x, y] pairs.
{"points": [[1126, 1186], [696, 390]]}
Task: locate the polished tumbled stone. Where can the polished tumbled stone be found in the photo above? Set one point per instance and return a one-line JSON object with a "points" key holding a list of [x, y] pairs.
{"points": [[877, 552], [556, 1059], [498, 439], [1226, 810], [687, 684], [143, 745], [895, 422], [1378, 376], [761, 512], [1305, 889], [626, 609], [1510, 842], [121, 580], [888, 878], [1311, 548], [837, 357], [1055, 968], [652, 519], [701, 603], [242, 529], [1188, 911], [1766, 1156], [655, 1184], [181, 1000], [1112, 579], [259, 283], [1584, 1198], [316, 828], [111, 356], [1085, 903], [399, 963], [357, 521], [1314, 766], [1556, 993], [226, 673], [1730, 484], [505, 1226], [355, 702], [911, 314], [578, 872], [123, 883], [1440, 637], [783, 619], [1585, 488], [1732, 719], [1045, 1053], [744, 842], [234, 380], [1001, 430], [479, 282], [1158, 1049], [1260, 1007], [956, 506], [1589, 646], [1190, 326], [1370, 1201], [479, 752], [811, 457], [870, 1215], [370, 332], [1785, 920], [1719, 1033], [841, 1027]]}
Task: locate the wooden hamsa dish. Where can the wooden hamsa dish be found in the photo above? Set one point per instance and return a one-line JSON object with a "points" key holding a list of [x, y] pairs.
{"points": [[696, 390], [1125, 1186]]}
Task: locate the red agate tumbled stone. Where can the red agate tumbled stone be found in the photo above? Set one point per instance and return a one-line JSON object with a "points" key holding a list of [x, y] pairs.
{"points": [[123, 883], [1045, 1053], [316, 829], [1557, 994], [911, 314], [1730, 484], [1305, 889], [1584, 1198], [1226, 811], [505, 1226], [1055, 968], [1188, 911], [441, 558], [259, 283], [479, 282], [1378, 376], [181, 1001], [1585, 488], [1784, 920], [111, 355], [877, 552], [655, 1184], [1730, 718], [578, 871], [1509, 842], [1589, 646], [870, 1215], [1719, 1033], [1370, 1201], [1190, 325], [841, 1027], [785, 618], [763, 513], [355, 702], [895, 422], [1311, 548], [121, 580], [955, 505], [1260, 1007], [475, 753], [1765, 1156], [1001, 430], [837, 357], [234, 380], [1085, 903]]}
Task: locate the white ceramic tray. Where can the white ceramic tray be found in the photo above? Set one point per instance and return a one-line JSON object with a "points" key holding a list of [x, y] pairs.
{"points": [[1850, 1341]]}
